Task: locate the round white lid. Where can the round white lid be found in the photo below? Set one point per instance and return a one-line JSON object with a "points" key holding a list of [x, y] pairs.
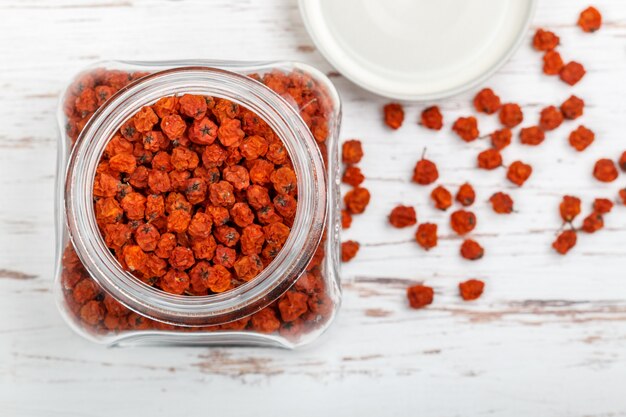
{"points": [[417, 49]]}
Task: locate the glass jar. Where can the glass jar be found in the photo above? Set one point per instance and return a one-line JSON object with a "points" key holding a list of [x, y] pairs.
{"points": [[106, 304]]}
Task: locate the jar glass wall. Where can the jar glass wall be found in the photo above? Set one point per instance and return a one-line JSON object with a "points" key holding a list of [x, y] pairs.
{"points": [[104, 303]]}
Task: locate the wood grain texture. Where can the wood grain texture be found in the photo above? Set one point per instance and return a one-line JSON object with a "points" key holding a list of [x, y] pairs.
{"points": [[547, 338]]}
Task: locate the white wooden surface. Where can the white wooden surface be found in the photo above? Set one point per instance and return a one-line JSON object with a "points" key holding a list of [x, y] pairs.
{"points": [[547, 338]]}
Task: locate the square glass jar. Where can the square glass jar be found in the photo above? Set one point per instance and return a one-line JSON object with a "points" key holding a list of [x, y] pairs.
{"points": [[106, 304]]}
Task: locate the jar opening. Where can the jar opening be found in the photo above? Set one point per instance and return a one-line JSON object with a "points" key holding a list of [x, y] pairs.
{"points": [[246, 299]]}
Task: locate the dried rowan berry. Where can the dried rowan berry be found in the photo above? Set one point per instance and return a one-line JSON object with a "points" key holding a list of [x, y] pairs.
{"points": [[349, 250], [592, 223], [551, 118], [165, 106], [123, 162], [441, 197], [292, 305], [222, 194], [431, 118], [177, 201], [572, 72], [569, 208], [117, 235], [129, 131], [155, 268], [604, 170], [531, 135], [419, 296], [489, 159], [471, 289], [147, 237], [486, 101], [248, 267], [200, 225], [108, 210], [402, 216], [85, 290], [466, 195], [545, 40], [174, 282], [284, 180], [225, 109], [353, 176], [198, 277], [184, 159], [519, 172], [265, 321], [426, 235], [106, 185], [195, 190], [173, 126], [351, 151], [573, 107], [511, 115], [158, 181], [86, 102], [285, 205], [237, 176], [181, 258], [466, 128], [552, 63], [178, 221], [261, 171], [565, 241], [229, 133], [581, 138], [276, 234], [276, 153], [257, 197], [602, 205], [252, 239], [425, 172], [225, 256], [226, 235], [134, 257], [253, 147], [154, 141], [145, 119], [501, 203], [103, 93], [214, 155], [165, 246], [92, 312], [118, 145], [346, 219], [356, 200], [162, 161], [500, 139], [394, 115], [192, 106], [590, 19], [462, 221], [470, 249]]}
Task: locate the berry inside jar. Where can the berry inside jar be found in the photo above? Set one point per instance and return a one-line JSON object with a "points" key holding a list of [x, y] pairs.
{"points": [[195, 195]]}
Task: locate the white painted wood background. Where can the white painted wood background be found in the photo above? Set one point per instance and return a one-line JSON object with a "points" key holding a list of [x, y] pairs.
{"points": [[548, 338]]}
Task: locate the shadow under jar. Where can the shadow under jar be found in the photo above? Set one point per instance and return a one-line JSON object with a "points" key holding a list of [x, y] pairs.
{"points": [[292, 300]]}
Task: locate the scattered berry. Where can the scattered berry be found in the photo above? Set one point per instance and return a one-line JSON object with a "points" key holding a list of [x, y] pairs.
{"points": [[394, 115]]}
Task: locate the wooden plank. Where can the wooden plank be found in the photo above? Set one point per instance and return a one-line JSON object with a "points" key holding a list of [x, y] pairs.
{"points": [[546, 339]]}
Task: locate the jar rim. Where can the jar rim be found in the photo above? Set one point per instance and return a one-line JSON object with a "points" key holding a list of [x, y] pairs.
{"points": [[277, 277]]}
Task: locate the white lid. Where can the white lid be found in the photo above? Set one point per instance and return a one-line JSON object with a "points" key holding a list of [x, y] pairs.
{"points": [[417, 49]]}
